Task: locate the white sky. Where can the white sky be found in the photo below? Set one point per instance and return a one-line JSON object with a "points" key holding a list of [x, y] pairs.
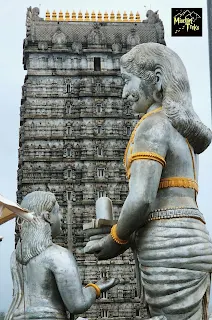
{"points": [[193, 51]]}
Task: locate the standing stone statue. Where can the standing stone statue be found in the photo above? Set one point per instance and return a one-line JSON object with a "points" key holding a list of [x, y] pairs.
{"points": [[160, 216], [46, 280]]}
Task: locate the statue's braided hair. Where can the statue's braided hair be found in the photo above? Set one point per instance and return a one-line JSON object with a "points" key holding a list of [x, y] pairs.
{"points": [[144, 61], [35, 235]]}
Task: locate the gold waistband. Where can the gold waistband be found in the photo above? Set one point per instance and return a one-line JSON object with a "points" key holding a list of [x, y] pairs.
{"points": [[180, 182]]}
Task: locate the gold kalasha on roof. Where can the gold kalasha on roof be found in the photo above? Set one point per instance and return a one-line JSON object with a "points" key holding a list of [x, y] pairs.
{"points": [[112, 16], [99, 17], [74, 16], [131, 17], [80, 16], [137, 17], [118, 16], [54, 16], [93, 16], [87, 16], [67, 16], [60, 16], [125, 18], [106, 17], [48, 18]]}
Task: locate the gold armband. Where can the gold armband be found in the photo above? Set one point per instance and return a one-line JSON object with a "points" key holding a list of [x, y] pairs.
{"points": [[98, 291], [146, 156], [115, 236]]}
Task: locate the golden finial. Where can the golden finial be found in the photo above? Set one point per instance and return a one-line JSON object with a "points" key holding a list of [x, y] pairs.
{"points": [[87, 16], [60, 16], [99, 16], [67, 16], [131, 17], [125, 18], [73, 16], [54, 15], [48, 15], [112, 16], [80, 16], [93, 16], [118, 17], [106, 16], [137, 17]]}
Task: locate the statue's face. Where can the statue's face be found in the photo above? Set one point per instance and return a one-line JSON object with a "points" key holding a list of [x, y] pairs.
{"points": [[138, 91], [55, 220]]}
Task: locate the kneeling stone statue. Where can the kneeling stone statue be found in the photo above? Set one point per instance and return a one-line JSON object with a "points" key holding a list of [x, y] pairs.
{"points": [[46, 280]]}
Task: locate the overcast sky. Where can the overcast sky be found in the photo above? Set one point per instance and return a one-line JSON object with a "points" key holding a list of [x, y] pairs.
{"points": [[193, 51]]}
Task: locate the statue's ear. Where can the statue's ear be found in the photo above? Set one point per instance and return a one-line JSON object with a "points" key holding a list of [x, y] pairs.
{"points": [[158, 76], [46, 216]]}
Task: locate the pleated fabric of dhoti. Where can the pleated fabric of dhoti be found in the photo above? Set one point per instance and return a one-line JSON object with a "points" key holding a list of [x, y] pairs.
{"points": [[175, 257]]}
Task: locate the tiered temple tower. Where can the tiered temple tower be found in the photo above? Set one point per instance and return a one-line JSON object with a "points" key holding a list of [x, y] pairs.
{"points": [[74, 128]]}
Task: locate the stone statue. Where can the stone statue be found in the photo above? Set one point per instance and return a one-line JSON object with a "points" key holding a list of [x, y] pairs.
{"points": [[31, 15], [152, 17], [160, 217], [45, 276]]}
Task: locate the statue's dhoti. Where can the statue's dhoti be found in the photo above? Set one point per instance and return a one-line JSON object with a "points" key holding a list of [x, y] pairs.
{"points": [[175, 257]]}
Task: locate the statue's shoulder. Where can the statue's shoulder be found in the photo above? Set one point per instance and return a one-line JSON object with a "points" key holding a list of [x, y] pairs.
{"points": [[56, 249], [56, 254], [156, 125]]}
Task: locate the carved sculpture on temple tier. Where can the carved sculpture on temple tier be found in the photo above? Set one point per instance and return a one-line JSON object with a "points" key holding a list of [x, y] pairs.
{"points": [[160, 218], [46, 281]]}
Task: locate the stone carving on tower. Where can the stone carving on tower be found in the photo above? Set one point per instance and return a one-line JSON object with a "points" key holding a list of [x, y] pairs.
{"points": [[59, 39], [96, 37]]}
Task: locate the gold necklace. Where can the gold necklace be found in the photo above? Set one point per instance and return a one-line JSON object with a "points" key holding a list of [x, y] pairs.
{"points": [[134, 131]]}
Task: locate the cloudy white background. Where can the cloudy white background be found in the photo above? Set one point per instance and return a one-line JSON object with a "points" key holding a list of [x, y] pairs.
{"points": [[192, 50]]}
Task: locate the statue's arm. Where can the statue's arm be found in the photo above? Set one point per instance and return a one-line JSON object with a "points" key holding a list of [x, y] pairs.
{"points": [[76, 298], [151, 136]]}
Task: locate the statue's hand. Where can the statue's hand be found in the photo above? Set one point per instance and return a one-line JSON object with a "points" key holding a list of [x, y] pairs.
{"points": [[108, 284], [105, 248]]}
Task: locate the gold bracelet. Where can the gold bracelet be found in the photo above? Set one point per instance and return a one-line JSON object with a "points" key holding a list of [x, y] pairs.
{"points": [[115, 236], [98, 291]]}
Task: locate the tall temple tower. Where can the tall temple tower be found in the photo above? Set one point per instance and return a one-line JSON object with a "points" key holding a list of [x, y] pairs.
{"points": [[74, 127]]}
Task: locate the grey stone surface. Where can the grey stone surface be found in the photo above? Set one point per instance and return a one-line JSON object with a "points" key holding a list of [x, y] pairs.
{"points": [[46, 281], [74, 122], [209, 11], [163, 223]]}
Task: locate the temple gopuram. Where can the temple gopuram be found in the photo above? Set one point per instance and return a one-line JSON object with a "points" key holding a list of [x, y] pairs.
{"points": [[74, 127]]}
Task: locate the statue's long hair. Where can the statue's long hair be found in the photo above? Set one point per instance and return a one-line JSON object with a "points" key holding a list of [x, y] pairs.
{"points": [[35, 236], [143, 61]]}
